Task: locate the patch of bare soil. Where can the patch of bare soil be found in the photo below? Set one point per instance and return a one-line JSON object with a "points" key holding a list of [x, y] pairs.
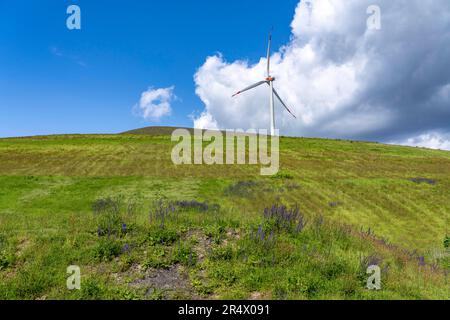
{"points": [[203, 245], [170, 283]]}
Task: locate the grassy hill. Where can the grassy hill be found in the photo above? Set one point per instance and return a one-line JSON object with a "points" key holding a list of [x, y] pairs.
{"points": [[140, 227]]}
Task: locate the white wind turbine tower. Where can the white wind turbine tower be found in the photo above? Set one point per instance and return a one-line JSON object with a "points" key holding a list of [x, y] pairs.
{"points": [[269, 81]]}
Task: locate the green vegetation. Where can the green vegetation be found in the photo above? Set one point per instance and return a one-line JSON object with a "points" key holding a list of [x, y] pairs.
{"points": [[141, 228]]}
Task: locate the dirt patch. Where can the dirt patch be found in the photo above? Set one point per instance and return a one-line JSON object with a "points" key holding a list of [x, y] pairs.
{"points": [[169, 283], [260, 296], [203, 245], [423, 180]]}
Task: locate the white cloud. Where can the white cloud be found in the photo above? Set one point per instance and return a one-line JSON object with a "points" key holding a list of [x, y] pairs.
{"points": [[341, 79], [432, 140], [205, 121], [155, 103]]}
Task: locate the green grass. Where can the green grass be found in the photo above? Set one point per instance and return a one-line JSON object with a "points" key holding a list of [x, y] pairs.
{"points": [[48, 186]]}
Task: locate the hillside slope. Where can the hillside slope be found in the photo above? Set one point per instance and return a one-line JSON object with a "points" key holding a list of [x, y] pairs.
{"points": [[362, 202]]}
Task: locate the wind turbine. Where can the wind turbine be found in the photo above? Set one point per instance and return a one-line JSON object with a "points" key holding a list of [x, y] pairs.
{"points": [[269, 81]]}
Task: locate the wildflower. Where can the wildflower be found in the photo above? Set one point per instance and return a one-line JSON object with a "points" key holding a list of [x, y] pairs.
{"points": [[126, 248]]}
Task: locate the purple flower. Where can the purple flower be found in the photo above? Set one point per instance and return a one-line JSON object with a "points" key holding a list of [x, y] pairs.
{"points": [[421, 261], [126, 248]]}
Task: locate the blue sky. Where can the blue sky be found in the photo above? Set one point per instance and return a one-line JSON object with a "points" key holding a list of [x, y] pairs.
{"points": [[53, 80]]}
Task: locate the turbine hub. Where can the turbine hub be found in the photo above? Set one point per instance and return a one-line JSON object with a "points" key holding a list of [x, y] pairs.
{"points": [[269, 78]]}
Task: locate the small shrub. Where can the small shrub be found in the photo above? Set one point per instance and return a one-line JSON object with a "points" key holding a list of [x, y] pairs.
{"points": [[162, 211], [201, 287], [185, 255], [221, 253], [107, 249], [264, 236], [162, 236], [157, 263], [7, 256], [126, 294], [283, 219], [225, 275], [333, 269], [155, 294], [312, 286], [106, 204], [297, 284], [4, 261], [283, 175], [3, 242], [447, 242], [109, 218], [350, 286], [280, 292], [196, 205], [91, 290], [126, 261], [243, 189], [216, 232], [158, 258]]}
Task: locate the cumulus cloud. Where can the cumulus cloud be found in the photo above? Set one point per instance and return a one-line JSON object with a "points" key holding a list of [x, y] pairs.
{"points": [[342, 79], [155, 103], [432, 140]]}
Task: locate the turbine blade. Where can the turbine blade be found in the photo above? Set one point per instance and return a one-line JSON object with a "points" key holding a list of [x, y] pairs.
{"points": [[268, 54], [284, 105], [248, 88]]}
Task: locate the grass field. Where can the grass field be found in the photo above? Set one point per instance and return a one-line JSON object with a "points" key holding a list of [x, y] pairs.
{"points": [[140, 227]]}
